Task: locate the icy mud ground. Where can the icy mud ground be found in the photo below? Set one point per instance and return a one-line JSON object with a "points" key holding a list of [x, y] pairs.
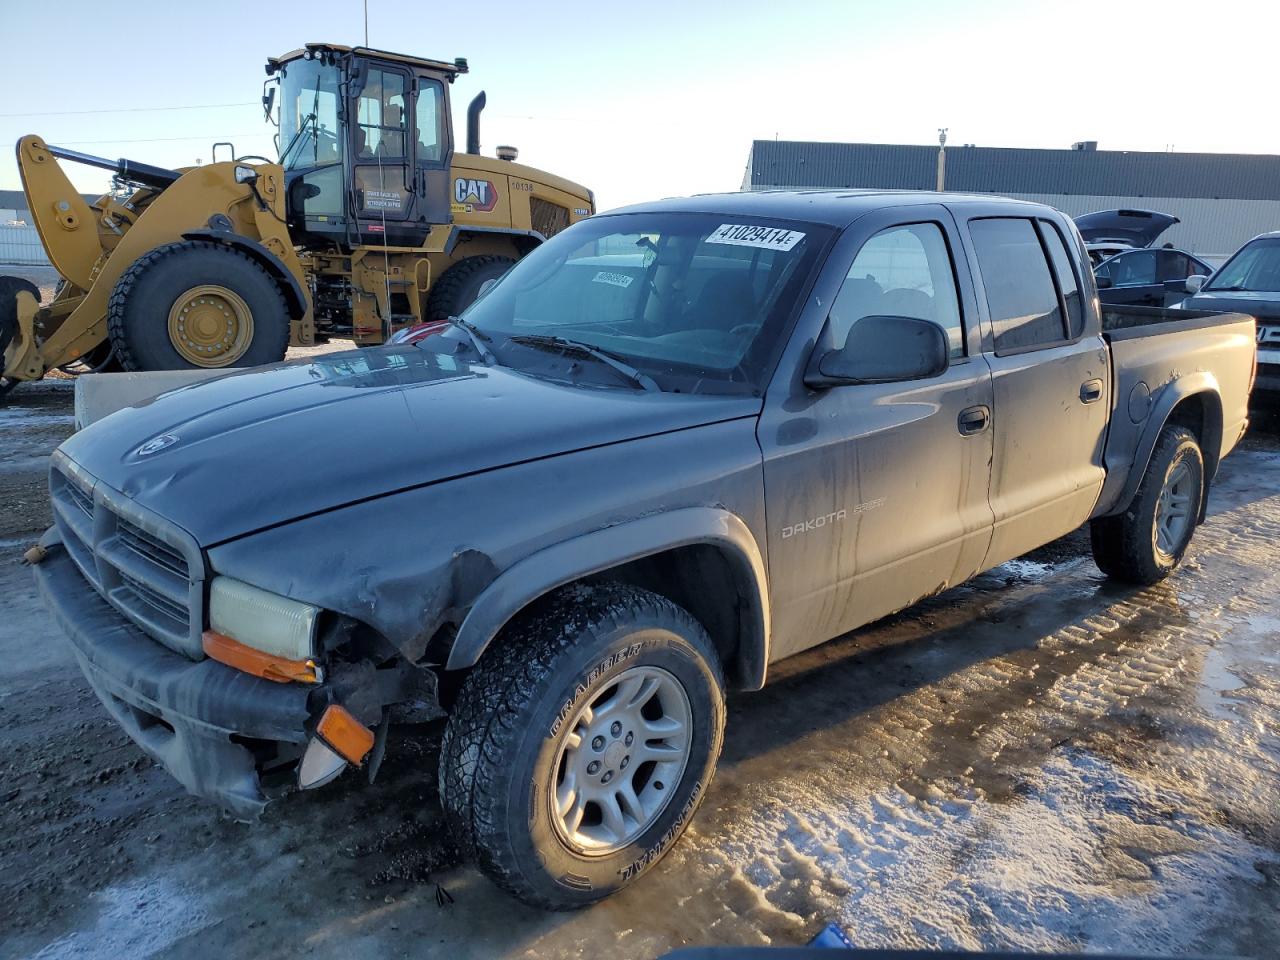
{"points": [[1034, 760]]}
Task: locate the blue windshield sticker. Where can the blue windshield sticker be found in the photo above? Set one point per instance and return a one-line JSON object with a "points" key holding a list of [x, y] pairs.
{"points": [[750, 235]]}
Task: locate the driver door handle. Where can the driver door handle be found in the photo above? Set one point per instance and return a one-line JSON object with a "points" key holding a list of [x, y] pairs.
{"points": [[973, 420], [1090, 391]]}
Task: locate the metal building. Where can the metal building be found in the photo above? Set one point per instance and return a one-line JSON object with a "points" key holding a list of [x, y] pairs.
{"points": [[1222, 199]]}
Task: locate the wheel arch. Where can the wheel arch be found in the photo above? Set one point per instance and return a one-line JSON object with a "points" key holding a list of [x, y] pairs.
{"points": [[294, 296], [522, 241], [693, 555], [1194, 402]]}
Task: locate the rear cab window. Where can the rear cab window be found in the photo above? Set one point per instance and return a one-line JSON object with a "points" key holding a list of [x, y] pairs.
{"points": [[1031, 305]]}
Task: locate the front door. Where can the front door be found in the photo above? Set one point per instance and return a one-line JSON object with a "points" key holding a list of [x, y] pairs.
{"points": [[1051, 384], [382, 178], [876, 494]]}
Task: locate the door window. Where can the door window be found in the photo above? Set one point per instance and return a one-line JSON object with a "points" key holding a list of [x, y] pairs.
{"points": [[1024, 306], [903, 271], [1135, 269], [1068, 286], [380, 116], [1173, 265]]}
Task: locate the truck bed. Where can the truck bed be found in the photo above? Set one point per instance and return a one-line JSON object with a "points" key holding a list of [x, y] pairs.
{"points": [[1160, 356]]}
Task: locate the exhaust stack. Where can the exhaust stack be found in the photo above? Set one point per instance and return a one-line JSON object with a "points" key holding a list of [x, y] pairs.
{"points": [[473, 123]]}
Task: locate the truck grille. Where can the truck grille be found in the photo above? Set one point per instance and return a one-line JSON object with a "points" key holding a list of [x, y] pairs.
{"points": [[547, 218], [149, 570]]}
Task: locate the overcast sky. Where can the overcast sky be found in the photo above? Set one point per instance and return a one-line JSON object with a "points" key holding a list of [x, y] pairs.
{"points": [[654, 98]]}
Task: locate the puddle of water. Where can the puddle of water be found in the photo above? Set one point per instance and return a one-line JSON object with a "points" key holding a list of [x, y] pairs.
{"points": [[1217, 681], [1025, 569]]}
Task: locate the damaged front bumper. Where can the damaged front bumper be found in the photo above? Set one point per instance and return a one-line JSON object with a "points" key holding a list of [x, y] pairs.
{"points": [[199, 719]]}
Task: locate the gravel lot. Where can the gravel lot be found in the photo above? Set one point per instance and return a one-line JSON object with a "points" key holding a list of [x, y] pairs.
{"points": [[1034, 760]]}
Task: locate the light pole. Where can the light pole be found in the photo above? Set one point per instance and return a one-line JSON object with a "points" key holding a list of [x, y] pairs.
{"points": [[942, 158]]}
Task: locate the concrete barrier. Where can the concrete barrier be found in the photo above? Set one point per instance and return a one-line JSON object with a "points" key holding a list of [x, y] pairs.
{"points": [[101, 394]]}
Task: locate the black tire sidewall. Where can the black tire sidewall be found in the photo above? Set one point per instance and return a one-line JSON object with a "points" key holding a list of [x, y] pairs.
{"points": [[565, 875], [153, 292], [459, 286]]}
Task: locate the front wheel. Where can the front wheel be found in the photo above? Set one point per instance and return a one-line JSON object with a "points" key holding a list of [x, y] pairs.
{"points": [[1146, 542], [196, 304], [580, 746]]}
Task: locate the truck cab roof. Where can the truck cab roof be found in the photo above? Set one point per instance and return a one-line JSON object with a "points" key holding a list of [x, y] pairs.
{"points": [[837, 208]]}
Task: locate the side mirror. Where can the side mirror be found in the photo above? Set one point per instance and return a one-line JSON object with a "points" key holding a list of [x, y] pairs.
{"points": [[882, 349], [1195, 282], [1104, 283]]}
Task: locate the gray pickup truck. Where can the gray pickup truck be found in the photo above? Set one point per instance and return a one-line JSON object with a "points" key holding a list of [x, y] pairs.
{"points": [[673, 445]]}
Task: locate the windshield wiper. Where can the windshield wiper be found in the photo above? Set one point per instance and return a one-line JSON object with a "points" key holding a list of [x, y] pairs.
{"points": [[306, 124], [564, 345], [478, 338]]}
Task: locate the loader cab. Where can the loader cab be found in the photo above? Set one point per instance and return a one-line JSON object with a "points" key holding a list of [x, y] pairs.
{"points": [[366, 142]]}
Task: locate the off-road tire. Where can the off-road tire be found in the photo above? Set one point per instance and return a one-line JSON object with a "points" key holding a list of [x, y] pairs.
{"points": [[9, 289], [500, 745], [1124, 545], [138, 311], [459, 285]]}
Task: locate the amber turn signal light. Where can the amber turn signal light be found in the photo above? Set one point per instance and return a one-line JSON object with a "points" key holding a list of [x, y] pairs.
{"points": [[345, 735], [266, 665]]}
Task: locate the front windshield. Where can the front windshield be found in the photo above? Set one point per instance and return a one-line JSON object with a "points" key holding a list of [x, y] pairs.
{"points": [[695, 301], [1256, 266], [309, 115]]}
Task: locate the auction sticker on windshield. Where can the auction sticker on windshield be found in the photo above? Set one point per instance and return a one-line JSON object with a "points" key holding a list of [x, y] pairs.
{"points": [[749, 235], [616, 279]]}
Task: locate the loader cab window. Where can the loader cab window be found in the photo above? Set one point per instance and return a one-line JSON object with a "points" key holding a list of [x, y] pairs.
{"points": [[309, 115], [429, 130], [381, 117]]}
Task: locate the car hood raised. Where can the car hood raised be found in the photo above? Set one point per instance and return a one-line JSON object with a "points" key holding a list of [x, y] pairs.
{"points": [[261, 447], [1139, 228]]}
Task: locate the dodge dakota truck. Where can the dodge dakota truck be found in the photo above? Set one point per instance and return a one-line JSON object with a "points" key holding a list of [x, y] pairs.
{"points": [[675, 444]]}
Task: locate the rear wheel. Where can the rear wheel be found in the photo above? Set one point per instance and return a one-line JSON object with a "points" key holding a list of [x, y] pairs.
{"points": [[1145, 543], [460, 285], [582, 743], [196, 304]]}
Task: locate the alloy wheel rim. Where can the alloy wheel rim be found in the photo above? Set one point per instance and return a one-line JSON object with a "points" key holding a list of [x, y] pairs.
{"points": [[620, 761], [1173, 509], [210, 326]]}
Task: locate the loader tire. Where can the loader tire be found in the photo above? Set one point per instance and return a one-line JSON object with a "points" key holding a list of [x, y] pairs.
{"points": [[460, 285], [607, 694], [10, 287], [195, 304], [1146, 542]]}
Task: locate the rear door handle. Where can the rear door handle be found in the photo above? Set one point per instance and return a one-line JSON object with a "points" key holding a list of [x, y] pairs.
{"points": [[973, 420], [1090, 391]]}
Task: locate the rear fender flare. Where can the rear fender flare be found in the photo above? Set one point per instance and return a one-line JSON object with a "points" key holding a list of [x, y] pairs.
{"points": [[284, 277], [598, 551], [1193, 384]]}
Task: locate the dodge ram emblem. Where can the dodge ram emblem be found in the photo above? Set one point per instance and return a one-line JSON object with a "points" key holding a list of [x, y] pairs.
{"points": [[156, 444]]}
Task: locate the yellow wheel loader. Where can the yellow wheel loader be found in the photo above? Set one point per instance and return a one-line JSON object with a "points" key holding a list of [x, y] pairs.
{"points": [[368, 222]]}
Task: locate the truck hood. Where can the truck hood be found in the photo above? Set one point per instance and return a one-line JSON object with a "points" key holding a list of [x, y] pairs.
{"points": [[1138, 228], [1257, 303], [260, 447]]}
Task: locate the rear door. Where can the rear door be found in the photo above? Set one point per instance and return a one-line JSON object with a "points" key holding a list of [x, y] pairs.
{"points": [[1050, 383], [876, 494]]}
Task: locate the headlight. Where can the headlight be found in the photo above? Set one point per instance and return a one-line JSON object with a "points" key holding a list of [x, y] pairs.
{"points": [[267, 622], [246, 173]]}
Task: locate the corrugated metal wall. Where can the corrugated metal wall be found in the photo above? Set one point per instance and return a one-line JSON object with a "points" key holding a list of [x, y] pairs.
{"points": [[21, 245]]}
